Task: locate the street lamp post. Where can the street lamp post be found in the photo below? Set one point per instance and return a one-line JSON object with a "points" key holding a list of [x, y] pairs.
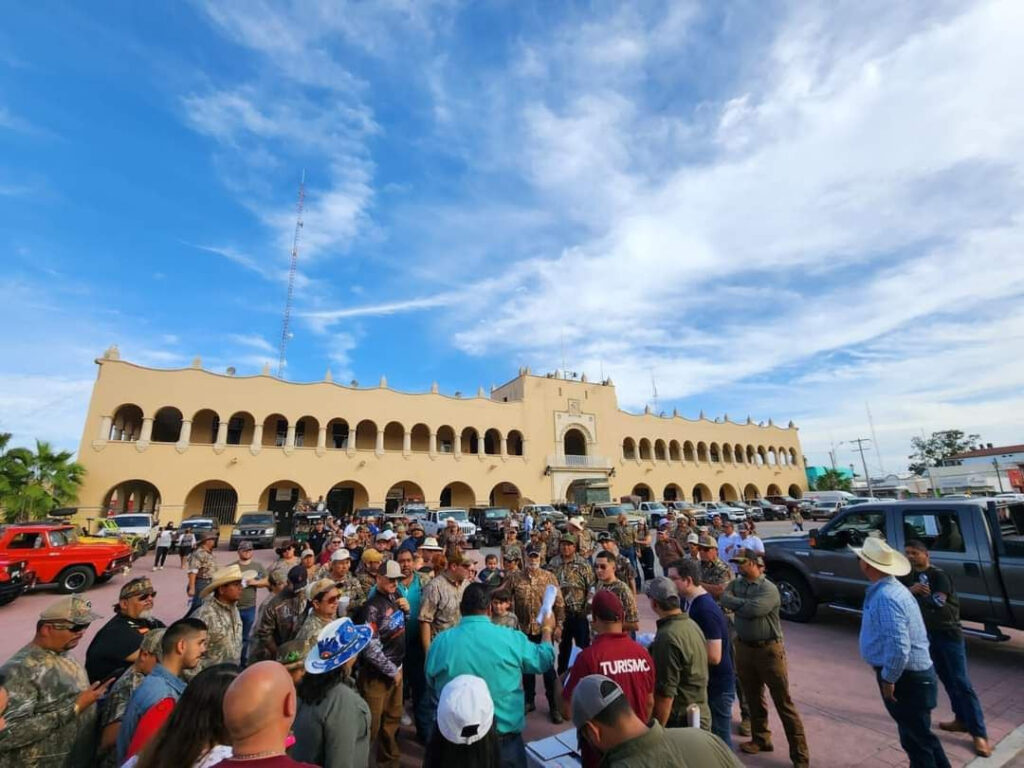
{"points": [[860, 441]]}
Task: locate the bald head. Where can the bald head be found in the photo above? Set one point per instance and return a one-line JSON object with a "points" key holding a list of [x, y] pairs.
{"points": [[259, 707]]}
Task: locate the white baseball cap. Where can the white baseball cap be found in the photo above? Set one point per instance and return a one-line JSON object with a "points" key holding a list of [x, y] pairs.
{"points": [[341, 554], [465, 711]]}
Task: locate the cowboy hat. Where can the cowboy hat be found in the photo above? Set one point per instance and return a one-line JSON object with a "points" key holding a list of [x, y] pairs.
{"points": [[430, 543], [338, 642], [226, 576], [880, 556]]}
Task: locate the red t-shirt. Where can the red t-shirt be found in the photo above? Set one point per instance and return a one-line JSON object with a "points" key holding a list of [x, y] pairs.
{"points": [[618, 657]]}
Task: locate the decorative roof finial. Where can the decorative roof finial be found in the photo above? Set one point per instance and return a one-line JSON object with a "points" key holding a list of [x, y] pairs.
{"points": [[434, 389], [197, 362], [266, 369], [112, 353], [328, 376], [383, 382]]}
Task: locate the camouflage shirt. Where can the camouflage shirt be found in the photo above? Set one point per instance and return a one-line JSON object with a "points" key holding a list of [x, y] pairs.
{"points": [[625, 594], [586, 539], [451, 540], [527, 588], [282, 566], [439, 606], [625, 535], [277, 624], [624, 571], [42, 729], [715, 572], [310, 629], [353, 589], [224, 625], [113, 709], [575, 578], [512, 550], [202, 564], [366, 580]]}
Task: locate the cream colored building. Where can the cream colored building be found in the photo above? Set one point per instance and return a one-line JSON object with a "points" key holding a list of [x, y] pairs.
{"points": [[191, 441]]}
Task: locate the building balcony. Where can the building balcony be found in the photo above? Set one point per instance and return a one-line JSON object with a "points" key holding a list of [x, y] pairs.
{"points": [[561, 461]]}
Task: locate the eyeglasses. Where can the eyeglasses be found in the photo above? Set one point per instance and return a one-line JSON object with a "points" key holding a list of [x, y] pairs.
{"points": [[332, 600], [68, 626]]}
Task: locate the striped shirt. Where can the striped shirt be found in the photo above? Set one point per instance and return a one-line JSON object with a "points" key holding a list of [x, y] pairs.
{"points": [[892, 633]]}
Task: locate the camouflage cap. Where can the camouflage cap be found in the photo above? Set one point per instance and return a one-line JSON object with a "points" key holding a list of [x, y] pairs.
{"points": [[513, 553], [570, 539], [748, 555], [205, 535], [151, 642], [707, 542], [136, 588], [72, 608], [292, 654]]}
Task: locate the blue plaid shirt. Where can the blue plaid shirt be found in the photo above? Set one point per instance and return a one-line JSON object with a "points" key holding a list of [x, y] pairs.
{"points": [[892, 633]]}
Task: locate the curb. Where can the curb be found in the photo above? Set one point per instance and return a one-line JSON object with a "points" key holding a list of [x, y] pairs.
{"points": [[1005, 751]]}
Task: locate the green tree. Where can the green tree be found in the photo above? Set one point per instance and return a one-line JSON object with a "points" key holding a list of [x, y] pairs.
{"points": [[931, 451], [34, 483], [832, 480]]}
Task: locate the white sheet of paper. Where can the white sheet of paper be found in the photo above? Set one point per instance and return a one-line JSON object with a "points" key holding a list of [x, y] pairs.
{"points": [[550, 593]]}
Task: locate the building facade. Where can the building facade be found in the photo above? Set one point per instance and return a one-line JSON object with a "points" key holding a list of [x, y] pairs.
{"points": [[193, 442]]}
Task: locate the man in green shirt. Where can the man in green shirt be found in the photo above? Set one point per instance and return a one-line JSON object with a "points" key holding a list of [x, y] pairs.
{"points": [[761, 657], [680, 658], [602, 715], [247, 603]]}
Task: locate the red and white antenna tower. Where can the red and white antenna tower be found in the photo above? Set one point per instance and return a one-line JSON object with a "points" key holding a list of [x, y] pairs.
{"points": [[287, 320]]}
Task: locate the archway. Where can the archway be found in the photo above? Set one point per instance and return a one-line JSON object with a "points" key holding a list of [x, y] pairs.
{"points": [[514, 442], [506, 495], [492, 442], [762, 456], [796, 492], [773, 490], [419, 438], [346, 497], [366, 435], [751, 456], [167, 425], [629, 449], [673, 450], [394, 436], [337, 434], [673, 492], [701, 493], [132, 496], [275, 431], [307, 432], [688, 454], [714, 453], [281, 498], [401, 493], [644, 447], [457, 494], [574, 443], [727, 493], [241, 427], [750, 492], [773, 457], [470, 440], [792, 458], [643, 491], [205, 425], [727, 453], [126, 423], [738, 454], [213, 498], [660, 452], [702, 453], [783, 457]]}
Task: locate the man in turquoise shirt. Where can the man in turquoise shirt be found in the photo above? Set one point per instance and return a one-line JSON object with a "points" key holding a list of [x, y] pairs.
{"points": [[499, 655]]}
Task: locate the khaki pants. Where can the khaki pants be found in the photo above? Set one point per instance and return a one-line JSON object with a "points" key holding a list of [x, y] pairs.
{"points": [[765, 666], [384, 698]]}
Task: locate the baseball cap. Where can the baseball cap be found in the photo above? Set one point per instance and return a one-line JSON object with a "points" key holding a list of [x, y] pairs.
{"points": [[532, 551], [513, 553], [465, 711], [151, 642], [607, 606], [592, 695], [307, 552], [661, 588], [298, 576], [341, 554], [693, 538], [73, 608], [663, 523], [371, 556], [458, 558], [570, 538], [604, 536], [748, 555], [392, 570], [707, 542], [245, 546]]}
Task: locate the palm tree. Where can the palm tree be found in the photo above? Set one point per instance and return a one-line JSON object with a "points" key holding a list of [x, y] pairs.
{"points": [[33, 484], [832, 480]]}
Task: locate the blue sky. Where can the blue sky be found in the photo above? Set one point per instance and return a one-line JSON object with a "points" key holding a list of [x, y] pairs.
{"points": [[786, 210]]}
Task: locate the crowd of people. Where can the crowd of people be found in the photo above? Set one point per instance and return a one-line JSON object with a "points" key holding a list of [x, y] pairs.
{"points": [[369, 627]]}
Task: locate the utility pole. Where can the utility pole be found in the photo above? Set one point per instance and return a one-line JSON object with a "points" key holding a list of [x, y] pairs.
{"points": [[995, 463], [860, 447]]}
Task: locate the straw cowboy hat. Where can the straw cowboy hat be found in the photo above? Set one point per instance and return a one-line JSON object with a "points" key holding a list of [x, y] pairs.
{"points": [[226, 576], [882, 557]]}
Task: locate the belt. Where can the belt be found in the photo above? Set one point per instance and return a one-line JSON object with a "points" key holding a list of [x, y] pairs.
{"points": [[759, 643]]}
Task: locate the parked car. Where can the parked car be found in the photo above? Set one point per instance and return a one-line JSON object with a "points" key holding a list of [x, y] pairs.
{"points": [[770, 510], [861, 500], [568, 509], [557, 518], [753, 511], [726, 509], [787, 501], [824, 510], [138, 524], [434, 523], [536, 509], [605, 517], [54, 553], [15, 578], [256, 527], [362, 515], [653, 511], [200, 524], [979, 543], [490, 523]]}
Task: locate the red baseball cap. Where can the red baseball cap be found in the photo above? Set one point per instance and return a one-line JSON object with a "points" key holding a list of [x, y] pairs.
{"points": [[607, 606]]}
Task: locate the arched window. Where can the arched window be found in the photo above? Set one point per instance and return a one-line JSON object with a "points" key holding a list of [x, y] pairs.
{"points": [[445, 440], [167, 425], [470, 440], [366, 436], [419, 438], [702, 454], [337, 434], [275, 430], [574, 443], [673, 452], [628, 449], [307, 432], [394, 436], [241, 426], [514, 443], [645, 449], [126, 423], [660, 452], [715, 455], [492, 442], [688, 454]]}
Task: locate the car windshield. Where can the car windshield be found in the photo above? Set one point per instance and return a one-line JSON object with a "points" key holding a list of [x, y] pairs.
{"points": [[63, 537], [371, 512], [458, 514], [492, 514], [613, 511], [132, 521], [656, 506], [544, 509], [197, 524], [256, 520]]}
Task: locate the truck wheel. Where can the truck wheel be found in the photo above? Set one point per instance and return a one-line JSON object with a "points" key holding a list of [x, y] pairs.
{"points": [[797, 602], [78, 578]]}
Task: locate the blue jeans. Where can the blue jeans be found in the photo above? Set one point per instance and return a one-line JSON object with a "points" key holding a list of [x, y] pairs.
{"points": [[248, 618], [513, 750], [950, 657], [423, 713], [721, 695], [916, 695]]}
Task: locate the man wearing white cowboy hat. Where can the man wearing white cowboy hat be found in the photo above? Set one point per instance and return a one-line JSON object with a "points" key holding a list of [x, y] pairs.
{"points": [[894, 641], [332, 725], [219, 611]]}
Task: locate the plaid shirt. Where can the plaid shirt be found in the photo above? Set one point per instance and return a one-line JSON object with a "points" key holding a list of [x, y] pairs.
{"points": [[892, 633]]}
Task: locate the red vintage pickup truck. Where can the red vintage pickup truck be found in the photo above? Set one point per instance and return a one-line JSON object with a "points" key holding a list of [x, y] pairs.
{"points": [[15, 578], [54, 553]]}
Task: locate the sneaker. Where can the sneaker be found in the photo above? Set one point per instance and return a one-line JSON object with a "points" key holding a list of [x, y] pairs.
{"points": [[406, 720], [743, 729], [154, 568]]}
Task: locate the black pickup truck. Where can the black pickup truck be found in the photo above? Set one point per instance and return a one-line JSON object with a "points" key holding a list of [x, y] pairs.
{"points": [[979, 543]]}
